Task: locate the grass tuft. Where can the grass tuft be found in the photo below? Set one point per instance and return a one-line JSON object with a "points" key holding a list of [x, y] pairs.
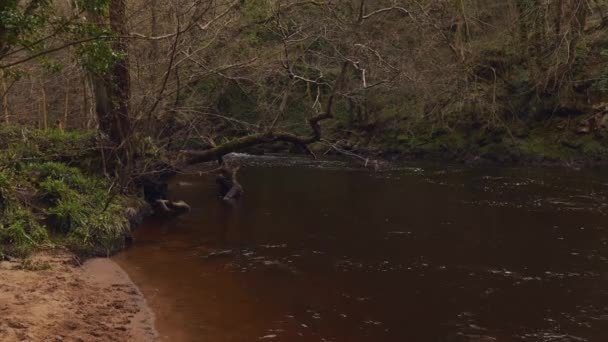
{"points": [[49, 197]]}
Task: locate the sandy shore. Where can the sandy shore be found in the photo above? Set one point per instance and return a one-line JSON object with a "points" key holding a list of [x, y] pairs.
{"points": [[53, 298]]}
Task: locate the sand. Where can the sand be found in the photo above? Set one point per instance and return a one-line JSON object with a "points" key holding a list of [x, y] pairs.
{"points": [[53, 298]]}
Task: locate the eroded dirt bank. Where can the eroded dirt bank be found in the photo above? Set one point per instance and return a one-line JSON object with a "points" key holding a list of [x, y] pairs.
{"points": [[52, 298]]}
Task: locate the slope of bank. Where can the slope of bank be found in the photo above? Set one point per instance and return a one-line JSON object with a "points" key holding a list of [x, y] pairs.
{"points": [[49, 297], [54, 192]]}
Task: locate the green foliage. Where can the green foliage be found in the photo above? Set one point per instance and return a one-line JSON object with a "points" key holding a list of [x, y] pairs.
{"points": [[50, 65], [97, 56], [256, 10], [58, 172], [21, 27], [235, 102], [80, 206], [19, 227], [390, 112], [72, 147], [41, 193], [602, 82], [28, 27], [98, 7]]}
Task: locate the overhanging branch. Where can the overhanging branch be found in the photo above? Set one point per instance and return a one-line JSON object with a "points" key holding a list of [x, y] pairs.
{"points": [[215, 153]]}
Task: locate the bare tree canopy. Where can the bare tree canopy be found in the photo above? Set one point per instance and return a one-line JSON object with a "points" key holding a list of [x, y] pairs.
{"points": [[204, 78]]}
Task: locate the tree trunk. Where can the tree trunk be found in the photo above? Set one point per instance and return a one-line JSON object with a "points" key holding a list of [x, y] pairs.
{"points": [[112, 92], [523, 26], [118, 83], [66, 102], [537, 46], [44, 113], [5, 108], [88, 99], [4, 47]]}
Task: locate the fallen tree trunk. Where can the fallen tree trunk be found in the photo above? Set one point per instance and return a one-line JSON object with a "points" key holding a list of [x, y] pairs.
{"points": [[238, 144], [217, 152], [155, 187]]}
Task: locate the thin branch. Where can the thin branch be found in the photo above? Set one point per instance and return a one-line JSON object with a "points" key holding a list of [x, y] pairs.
{"points": [[382, 10], [167, 73]]}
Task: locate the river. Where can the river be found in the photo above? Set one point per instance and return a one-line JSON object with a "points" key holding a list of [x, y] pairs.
{"points": [[322, 251]]}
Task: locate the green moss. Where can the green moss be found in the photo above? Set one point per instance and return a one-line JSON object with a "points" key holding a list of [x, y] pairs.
{"points": [[448, 143], [594, 149], [538, 147], [540, 142], [318, 147]]}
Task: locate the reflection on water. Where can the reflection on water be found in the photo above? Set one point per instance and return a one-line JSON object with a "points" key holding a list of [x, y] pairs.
{"points": [[323, 252]]}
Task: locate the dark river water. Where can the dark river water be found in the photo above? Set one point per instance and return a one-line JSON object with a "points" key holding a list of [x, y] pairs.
{"points": [[319, 251]]}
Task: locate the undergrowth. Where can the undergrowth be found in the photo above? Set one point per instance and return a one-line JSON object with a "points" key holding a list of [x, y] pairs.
{"points": [[52, 193]]}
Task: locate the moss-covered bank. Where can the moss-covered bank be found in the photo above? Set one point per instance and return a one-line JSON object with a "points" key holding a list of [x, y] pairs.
{"points": [[580, 139], [52, 192]]}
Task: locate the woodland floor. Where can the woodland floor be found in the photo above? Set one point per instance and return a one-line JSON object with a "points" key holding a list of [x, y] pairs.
{"points": [[50, 297]]}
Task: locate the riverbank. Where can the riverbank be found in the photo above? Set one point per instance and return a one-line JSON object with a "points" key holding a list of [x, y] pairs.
{"points": [[54, 192], [51, 297], [559, 140]]}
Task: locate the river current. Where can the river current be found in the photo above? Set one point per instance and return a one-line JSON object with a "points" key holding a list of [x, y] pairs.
{"points": [[327, 251]]}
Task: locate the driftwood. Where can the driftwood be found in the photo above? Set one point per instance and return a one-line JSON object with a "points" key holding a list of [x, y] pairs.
{"points": [[230, 188], [173, 208]]}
